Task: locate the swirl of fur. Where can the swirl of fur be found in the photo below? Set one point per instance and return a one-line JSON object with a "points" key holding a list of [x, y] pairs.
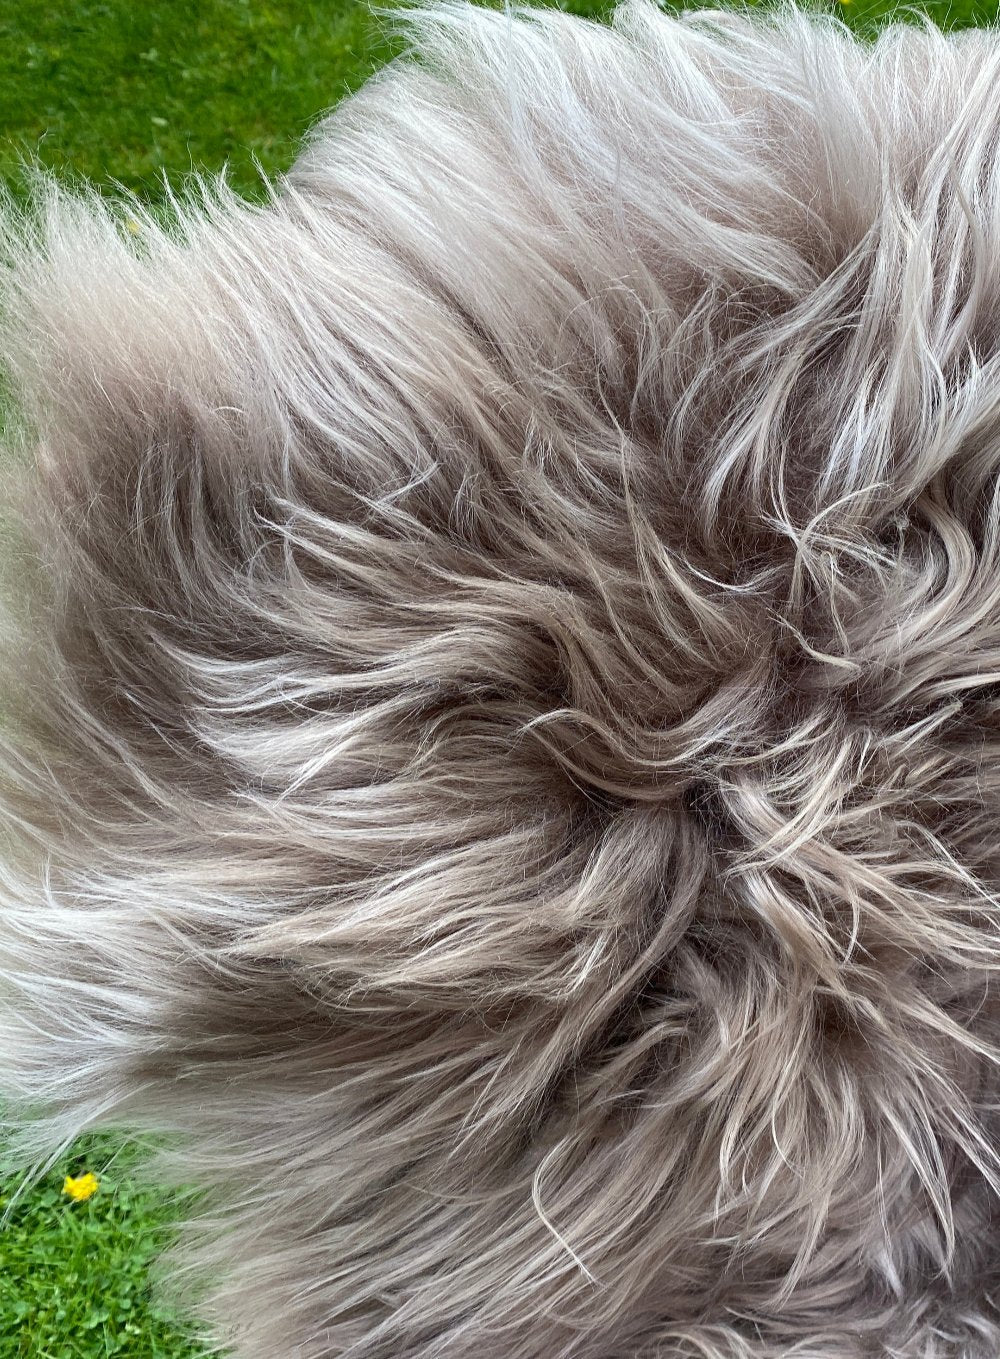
{"points": [[503, 752]]}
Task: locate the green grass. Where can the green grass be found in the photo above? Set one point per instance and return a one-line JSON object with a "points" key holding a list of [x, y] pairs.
{"points": [[122, 91], [125, 91], [74, 1277], [118, 91]]}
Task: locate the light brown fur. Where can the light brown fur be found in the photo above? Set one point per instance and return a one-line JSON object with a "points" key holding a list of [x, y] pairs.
{"points": [[506, 757]]}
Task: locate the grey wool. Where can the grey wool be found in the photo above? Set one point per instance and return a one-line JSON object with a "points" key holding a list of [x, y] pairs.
{"points": [[501, 692]]}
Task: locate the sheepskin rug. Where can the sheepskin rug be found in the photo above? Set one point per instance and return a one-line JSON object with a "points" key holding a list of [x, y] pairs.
{"points": [[502, 699]]}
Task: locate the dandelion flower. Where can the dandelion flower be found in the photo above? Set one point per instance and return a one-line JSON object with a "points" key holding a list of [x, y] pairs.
{"points": [[82, 1188]]}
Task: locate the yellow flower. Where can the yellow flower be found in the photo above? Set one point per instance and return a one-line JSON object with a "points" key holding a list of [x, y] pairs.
{"points": [[81, 1188]]}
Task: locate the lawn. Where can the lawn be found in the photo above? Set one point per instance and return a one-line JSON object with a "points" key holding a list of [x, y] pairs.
{"points": [[74, 1272], [127, 92], [124, 91]]}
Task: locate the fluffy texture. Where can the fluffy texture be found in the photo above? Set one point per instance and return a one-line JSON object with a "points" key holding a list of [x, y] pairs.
{"points": [[506, 760]]}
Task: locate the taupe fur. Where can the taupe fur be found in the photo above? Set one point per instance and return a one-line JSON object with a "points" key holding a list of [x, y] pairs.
{"points": [[503, 752]]}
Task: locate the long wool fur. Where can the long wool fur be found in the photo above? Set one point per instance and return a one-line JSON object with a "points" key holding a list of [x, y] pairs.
{"points": [[502, 750]]}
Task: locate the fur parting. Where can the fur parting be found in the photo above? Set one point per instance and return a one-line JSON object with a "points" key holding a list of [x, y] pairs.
{"points": [[501, 702]]}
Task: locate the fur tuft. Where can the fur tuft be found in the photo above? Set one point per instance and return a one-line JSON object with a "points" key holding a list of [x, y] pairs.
{"points": [[504, 752]]}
